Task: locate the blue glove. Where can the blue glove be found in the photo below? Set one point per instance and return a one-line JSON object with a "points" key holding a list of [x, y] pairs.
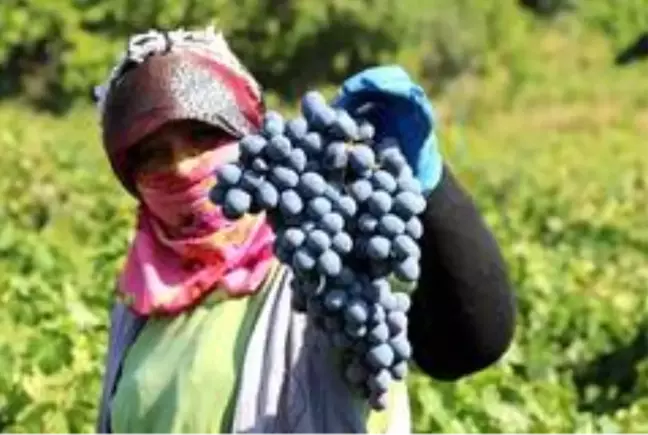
{"points": [[399, 108]]}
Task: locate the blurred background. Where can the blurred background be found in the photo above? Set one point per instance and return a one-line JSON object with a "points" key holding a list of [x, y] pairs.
{"points": [[542, 111]]}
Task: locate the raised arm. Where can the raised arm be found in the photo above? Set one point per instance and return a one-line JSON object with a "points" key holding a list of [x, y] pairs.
{"points": [[462, 317]]}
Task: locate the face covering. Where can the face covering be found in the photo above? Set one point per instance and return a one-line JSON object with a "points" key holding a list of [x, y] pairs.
{"points": [[179, 200], [184, 246]]}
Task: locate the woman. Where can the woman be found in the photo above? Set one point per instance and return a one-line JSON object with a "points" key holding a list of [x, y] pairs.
{"points": [[203, 338]]}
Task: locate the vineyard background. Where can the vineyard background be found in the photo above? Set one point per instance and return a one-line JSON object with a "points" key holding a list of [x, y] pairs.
{"points": [[540, 124]]}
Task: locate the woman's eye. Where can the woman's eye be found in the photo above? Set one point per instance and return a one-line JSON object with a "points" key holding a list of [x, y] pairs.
{"points": [[204, 134], [152, 155], [147, 154]]}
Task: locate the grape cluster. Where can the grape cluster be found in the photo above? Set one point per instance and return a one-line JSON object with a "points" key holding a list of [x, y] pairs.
{"points": [[345, 209]]}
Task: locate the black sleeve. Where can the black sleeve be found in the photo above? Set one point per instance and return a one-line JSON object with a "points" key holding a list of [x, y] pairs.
{"points": [[462, 317]]}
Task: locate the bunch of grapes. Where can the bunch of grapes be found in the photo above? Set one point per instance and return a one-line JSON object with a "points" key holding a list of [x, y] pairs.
{"points": [[345, 210]]}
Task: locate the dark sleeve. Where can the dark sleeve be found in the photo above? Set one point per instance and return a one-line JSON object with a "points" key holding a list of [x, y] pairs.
{"points": [[462, 316]]}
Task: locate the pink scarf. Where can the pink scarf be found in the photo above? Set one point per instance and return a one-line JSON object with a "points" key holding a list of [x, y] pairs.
{"points": [[184, 247]]}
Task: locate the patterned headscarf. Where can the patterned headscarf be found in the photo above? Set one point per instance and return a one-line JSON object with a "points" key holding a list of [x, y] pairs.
{"points": [[165, 77]]}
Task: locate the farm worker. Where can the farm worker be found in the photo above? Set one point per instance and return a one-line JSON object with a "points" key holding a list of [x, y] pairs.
{"points": [[202, 334]]}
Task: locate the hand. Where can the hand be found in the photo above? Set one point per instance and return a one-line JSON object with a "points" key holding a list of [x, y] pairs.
{"points": [[399, 108]]}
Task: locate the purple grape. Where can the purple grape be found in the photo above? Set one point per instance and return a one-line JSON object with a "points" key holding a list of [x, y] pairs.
{"points": [[397, 322], [316, 111], [323, 118], [298, 160], [266, 196], [379, 402], [229, 174], [279, 148], [379, 203], [379, 382], [318, 207], [366, 131], [311, 143], [376, 288], [355, 331], [383, 180], [409, 184], [356, 311], [335, 156], [379, 333], [404, 247], [391, 225], [332, 193], [408, 269], [290, 203], [302, 261], [294, 237], [332, 222], [401, 346], [259, 165], [318, 241], [393, 161], [399, 370], [367, 223], [335, 300], [311, 185], [284, 178], [387, 300], [361, 158], [380, 356], [414, 228], [250, 181], [237, 203], [217, 194], [408, 204], [311, 100], [377, 314], [344, 126], [252, 145], [378, 248], [360, 190], [296, 129], [273, 124], [329, 263], [342, 243], [346, 206]]}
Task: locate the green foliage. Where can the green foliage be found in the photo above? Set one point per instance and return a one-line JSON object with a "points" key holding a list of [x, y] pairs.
{"points": [[459, 37], [63, 232], [546, 134], [54, 52], [621, 21]]}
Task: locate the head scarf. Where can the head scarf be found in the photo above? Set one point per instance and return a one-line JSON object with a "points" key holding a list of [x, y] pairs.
{"points": [[184, 247]]}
